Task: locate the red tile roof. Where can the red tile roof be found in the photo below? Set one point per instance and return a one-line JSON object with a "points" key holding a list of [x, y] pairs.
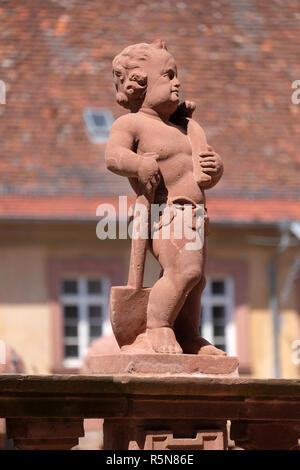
{"points": [[75, 207], [236, 59]]}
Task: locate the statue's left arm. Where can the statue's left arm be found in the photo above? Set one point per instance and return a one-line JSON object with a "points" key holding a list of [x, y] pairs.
{"points": [[211, 164]]}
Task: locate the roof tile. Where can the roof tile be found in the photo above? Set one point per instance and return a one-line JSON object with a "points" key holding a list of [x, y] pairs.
{"points": [[237, 60]]}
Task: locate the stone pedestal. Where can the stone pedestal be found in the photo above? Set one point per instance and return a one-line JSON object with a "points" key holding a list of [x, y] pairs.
{"points": [[44, 433], [165, 364], [147, 433], [151, 411], [264, 435], [164, 434]]}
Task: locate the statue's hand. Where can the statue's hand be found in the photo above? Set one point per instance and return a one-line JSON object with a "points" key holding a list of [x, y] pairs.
{"points": [[184, 110], [211, 163], [149, 173]]}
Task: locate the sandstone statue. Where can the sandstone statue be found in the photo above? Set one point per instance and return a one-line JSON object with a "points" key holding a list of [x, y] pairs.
{"points": [[164, 154]]}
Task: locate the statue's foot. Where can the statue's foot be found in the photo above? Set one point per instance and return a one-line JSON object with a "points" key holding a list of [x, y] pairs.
{"points": [[163, 340], [211, 350], [141, 345], [201, 346]]}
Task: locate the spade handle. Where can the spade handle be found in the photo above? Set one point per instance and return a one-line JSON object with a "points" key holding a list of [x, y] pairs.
{"points": [[139, 245]]}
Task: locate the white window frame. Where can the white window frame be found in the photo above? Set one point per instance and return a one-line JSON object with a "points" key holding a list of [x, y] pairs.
{"points": [[227, 300], [98, 135], [82, 299]]}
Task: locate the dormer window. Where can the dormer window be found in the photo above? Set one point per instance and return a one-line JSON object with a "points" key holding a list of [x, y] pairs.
{"points": [[98, 123]]}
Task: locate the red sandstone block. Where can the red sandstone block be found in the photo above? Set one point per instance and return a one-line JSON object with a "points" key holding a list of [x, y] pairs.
{"points": [[165, 364]]}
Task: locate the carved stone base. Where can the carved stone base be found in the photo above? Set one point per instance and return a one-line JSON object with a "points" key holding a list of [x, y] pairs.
{"points": [[44, 433], [266, 435], [134, 434], [183, 433], [165, 364]]}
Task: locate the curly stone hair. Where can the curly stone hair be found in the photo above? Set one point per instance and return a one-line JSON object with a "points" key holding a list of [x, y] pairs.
{"points": [[129, 77]]}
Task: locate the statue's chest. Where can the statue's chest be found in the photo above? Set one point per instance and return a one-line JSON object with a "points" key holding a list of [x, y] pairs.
{"points": [[166, 141]]}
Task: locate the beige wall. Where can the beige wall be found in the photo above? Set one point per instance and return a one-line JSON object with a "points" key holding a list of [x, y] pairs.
{"points": [[24, 313], [25, 321], [25, 310], [244, 243]]}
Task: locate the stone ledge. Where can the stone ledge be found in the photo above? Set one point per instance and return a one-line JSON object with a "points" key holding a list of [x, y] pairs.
{"points": [[134, 396], [190, 365], [46, 412], [76, 386]]}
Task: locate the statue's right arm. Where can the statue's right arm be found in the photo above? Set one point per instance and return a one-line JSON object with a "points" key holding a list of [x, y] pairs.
{"points": [[119, 155]]}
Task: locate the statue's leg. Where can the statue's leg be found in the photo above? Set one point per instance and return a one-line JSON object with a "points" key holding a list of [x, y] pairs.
{"points": [[181, 272], [188, 319], [187, 325]]}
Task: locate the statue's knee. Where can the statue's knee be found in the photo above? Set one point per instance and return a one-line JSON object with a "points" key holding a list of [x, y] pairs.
{"points": [[191, 276]]}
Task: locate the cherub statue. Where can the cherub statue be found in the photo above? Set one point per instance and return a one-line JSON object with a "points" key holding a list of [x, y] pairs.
{"points": [[152, 147]]}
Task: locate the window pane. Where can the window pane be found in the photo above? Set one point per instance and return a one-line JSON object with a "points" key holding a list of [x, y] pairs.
{"points": [[218, 287], [71, 331], [70, 287], [95, 312], [95, 331], [218, 312], [71, 351], [71, 312], [219, 330], [99, 119], [94, 287]]}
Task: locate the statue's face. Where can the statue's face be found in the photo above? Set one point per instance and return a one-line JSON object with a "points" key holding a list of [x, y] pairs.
{"points": [[162, 84]]}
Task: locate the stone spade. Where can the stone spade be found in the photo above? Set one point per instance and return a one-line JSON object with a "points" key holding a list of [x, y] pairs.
{"points": [[128, 304]]}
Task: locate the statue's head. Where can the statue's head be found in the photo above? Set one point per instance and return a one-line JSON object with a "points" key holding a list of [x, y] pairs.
{"points": [[140, 66]]}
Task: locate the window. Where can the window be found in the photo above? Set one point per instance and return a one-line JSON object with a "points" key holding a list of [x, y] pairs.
{"points": [[85, 315], [216, 319], [98, 123]]}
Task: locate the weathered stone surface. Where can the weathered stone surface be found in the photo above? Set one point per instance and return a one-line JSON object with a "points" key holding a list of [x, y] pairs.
{"points": [[164, 154], [127, 402], [263, 435], [166, 434], [45, 444], [42, 428], [18, 386], [165, 364], [165, 440], [44, 433]]}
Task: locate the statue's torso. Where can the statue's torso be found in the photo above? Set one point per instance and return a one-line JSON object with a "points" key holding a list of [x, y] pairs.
{"points": [[172, 145]]}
